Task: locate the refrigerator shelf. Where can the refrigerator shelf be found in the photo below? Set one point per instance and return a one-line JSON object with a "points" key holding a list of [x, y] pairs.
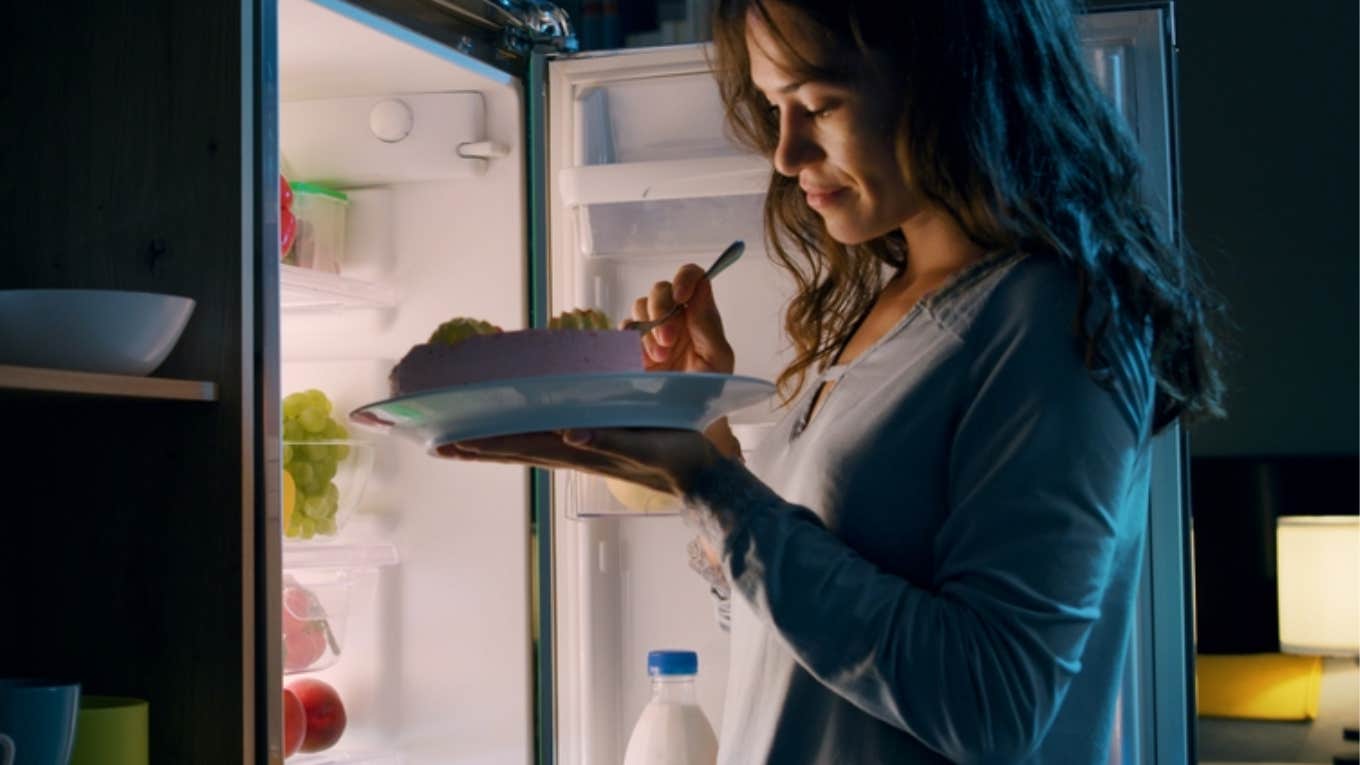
{"points": [[308, 555], [302, 289], [347, 758], [664, 179]]}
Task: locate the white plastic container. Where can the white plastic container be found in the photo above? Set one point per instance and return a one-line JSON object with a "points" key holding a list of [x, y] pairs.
{"points": [[672, 729], [320, 213]]}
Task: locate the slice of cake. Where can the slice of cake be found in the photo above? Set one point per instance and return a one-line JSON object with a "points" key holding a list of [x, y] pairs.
{"points": [[464, 351]]}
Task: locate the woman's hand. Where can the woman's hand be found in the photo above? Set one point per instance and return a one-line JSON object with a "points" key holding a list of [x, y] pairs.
{"points": [[693, 339], [690, 341], [664, 460]]}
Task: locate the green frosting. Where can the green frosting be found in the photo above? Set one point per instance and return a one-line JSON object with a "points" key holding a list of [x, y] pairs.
{"points": [[458, 329]]}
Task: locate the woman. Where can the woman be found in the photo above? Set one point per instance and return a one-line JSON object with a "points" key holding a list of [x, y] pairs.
{"points": [[934, 556]]}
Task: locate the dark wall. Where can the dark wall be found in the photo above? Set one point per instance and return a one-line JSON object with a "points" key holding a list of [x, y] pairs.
{"points": [[1269, 136], [1269, 133]]}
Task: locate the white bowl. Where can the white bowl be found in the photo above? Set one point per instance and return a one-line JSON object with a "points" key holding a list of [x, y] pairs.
{"points": [[106, 331]]}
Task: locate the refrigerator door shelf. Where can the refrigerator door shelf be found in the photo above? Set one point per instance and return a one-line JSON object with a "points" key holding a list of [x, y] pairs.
{"points": [[664, 179], [693, 228], [376, 140]]}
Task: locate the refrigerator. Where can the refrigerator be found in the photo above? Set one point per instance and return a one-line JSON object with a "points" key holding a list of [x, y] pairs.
{"points": [[493, 614]]}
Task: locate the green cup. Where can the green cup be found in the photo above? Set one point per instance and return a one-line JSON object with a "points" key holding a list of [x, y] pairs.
{"points": [[111, 730]]}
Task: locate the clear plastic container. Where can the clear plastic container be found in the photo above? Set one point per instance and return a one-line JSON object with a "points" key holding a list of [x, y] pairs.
{"points": [[320, 588], [670, 226], [315, 606], [321, 214], [323, 483]]}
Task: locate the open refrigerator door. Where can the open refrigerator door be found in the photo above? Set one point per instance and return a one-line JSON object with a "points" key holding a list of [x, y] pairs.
{"points": [[407, 593]]}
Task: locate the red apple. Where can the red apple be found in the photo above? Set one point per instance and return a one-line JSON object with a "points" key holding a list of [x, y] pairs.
{"points": [[304, 634], [294, 723], [325, 713]]}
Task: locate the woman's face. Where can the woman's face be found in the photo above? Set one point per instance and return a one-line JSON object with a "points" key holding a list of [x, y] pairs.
{"points": [[835, 142]]}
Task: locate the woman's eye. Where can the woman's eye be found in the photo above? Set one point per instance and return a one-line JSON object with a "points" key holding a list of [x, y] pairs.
{"points": [[821, 113]]}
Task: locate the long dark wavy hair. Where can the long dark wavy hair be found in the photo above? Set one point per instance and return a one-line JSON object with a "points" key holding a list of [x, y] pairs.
{"points": [[999, 123]]}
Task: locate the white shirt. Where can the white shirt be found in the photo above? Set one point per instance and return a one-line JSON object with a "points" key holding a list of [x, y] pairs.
{"points": [[942, 566]]}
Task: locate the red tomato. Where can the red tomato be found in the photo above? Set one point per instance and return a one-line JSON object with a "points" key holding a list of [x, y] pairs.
{"points": [[294, 723], [304, 637], [325, 714]]}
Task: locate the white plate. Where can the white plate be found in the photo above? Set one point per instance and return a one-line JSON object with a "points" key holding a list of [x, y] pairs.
{"points": [[683, 400]]}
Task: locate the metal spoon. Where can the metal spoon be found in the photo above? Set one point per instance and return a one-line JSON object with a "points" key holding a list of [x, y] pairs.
{"points": [[727, 258]]}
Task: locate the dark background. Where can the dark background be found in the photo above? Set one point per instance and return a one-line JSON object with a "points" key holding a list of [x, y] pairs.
{"points": [[1269, 135]]}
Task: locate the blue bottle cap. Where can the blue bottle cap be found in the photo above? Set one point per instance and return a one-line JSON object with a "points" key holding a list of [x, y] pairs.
{"points": [[672, 663]]}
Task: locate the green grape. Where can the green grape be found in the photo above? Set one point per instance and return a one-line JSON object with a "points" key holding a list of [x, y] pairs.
{"points": [[325, 470], [332, 499], [304, 474], [307, 528], [314, 507], [294, 526], [292, 431], [335, 431], [317, 452], [287, 454], [318, 400], [313, 420], [325, 526], [293, 404], [341, 451]]}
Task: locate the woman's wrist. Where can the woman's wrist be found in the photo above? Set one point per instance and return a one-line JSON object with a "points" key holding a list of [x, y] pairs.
{"points": [[724, 440], [719, 497]]}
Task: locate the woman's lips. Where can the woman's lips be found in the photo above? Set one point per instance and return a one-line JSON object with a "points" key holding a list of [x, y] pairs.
{"points": [[820, 199]]}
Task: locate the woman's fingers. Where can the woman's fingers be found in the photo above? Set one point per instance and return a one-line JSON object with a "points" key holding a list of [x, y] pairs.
{"points": [[702, 318], [659, 302], [686, 280], [553, 450]]}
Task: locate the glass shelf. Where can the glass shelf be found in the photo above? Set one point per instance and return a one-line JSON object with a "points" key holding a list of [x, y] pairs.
{"points": [[338, 555], [347, 758], [302, 289]]}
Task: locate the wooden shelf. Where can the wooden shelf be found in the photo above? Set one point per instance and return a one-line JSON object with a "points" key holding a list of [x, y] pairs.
{"points": [[91, 384]]}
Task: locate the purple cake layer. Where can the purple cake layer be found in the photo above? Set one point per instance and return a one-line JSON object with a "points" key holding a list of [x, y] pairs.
{"points": [[511, 355]]}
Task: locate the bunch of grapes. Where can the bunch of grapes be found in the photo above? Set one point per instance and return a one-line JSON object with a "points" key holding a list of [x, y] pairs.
{"points": [[312, 462]]}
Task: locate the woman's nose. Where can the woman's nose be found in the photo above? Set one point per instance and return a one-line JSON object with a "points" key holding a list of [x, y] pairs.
{"points": [[797, 148]]}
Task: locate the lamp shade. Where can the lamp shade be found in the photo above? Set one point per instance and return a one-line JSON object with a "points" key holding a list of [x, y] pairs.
{"points": [[1318, 570]]}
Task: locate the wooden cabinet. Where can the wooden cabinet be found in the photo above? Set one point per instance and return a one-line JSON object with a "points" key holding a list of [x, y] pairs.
{"points": [[131, 527]]}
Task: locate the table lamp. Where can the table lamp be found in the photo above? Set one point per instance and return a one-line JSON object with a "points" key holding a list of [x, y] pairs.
{"points": [[1318, 571]]}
